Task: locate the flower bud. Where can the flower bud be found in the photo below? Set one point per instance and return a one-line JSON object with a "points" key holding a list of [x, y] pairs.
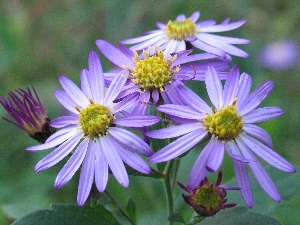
{"points": [[29, 114], [208, 199]]}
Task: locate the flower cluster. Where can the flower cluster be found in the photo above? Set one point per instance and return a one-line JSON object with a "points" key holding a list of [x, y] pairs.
{"points": [[153, 72]]}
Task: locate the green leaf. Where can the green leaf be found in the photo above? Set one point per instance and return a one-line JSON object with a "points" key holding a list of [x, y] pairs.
{"points": [[19, 210], [175, 217], [287, 213], [239, 216], [69, 214], [131, 209]]}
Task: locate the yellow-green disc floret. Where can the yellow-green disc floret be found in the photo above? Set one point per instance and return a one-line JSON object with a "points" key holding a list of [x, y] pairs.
{"points": [[181, 29], [95, 119], [152, 72], [225, 123], [207, 197]]}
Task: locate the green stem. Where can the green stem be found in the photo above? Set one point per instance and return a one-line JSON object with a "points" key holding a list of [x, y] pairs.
{"points": [[116, 204], [157, 173], [174, 173], [168, 189]]}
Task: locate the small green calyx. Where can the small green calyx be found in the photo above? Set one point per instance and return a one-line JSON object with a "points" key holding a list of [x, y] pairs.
{"points": [[152, 72], [95, 119], [208, 197], [225, 123], [181, 29]]}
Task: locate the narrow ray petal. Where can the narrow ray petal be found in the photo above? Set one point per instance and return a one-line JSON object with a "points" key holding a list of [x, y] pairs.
{"points": [[142, 103], [171, 46], [180, 111], [155, 96], [142, 38], [101, 167], [199, 169], [231, 86], [203, 46], [69, 169], [73, 91], [126, 102], [96, 80], [87, 175], [190, 98], [63, 121], [85, 83], [216, 156], [181, 17], [114, 89], [262, 114], [242, 178], [233, 40], [213, 40], [66, 101], [114, 160], [55, 139], [268, 154], [260, 174], [63, 134], [131, 158], [214, 87], [173, 131], [222, 28], [178, 147], [58, 154], [258, 133], [130, 140], [136, 121], [255, 98], [113, 54], [245, 85], [157, 40], [233, 151], [195, 16]]}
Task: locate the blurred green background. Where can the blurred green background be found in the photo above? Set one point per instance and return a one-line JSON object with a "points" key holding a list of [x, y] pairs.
{"points": [[41, 39]]}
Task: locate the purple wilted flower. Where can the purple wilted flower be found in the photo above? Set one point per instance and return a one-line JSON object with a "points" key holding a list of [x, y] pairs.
{"points": [[207, 199], [29, 114], [152, 76], [174, 36], [230, 125], [94, 130]]}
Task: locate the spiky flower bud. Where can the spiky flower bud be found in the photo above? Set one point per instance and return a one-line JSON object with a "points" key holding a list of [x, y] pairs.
{"points": [[208, 199], [29, 114]]}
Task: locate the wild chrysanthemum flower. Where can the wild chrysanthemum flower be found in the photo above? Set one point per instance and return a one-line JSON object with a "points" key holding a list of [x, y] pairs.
{"points": [[207, 199], [29, 114], [230, 125], [93, 130], [280, 55], [152, 76], [174, 36]]}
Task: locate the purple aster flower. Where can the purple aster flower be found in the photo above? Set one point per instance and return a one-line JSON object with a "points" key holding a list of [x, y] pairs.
{"points": [[29, 114], [280, 55], [207, 199], [230, 125], [174, 36], [150, 77], [93, 130]]}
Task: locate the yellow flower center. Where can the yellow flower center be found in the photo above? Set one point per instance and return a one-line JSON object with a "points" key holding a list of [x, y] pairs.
{"points": [[181, 29], [95, 119], [225, 123], [208, 197], [152, 72]]}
